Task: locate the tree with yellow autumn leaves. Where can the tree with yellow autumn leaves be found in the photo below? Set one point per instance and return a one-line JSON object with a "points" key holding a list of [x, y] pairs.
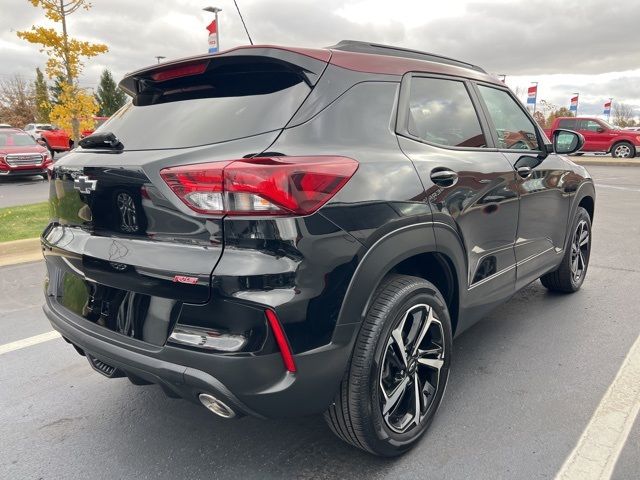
{"points": [[76, 107]]}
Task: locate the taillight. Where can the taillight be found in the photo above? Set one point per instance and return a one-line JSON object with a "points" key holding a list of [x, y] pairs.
{"points": [[260, 185]]}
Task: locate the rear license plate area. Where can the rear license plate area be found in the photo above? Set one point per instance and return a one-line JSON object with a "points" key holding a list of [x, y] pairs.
{"points": [[136, 315]]}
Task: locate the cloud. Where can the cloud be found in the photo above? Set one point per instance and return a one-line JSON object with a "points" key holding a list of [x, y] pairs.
{"points": [[569, 44]]}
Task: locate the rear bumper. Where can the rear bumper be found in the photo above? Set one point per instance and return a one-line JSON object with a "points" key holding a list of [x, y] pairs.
{"points": [[252, 385]]}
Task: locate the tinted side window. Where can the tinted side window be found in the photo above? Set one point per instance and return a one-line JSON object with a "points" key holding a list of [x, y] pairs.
{"points": [[567, 123], [441, 112], [513, 127], [589, 125]]}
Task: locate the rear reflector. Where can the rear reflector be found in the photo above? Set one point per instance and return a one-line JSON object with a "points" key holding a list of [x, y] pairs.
{"points": [[281, 340], [260, 185]]}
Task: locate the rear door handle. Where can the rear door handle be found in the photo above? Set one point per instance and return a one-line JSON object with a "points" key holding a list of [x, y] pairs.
{"points": [[524, 172], [444, 177]]}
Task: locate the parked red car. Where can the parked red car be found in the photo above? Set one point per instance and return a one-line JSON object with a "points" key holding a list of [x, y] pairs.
{"points": [[599, 136], [20, 154], [54, 138]]}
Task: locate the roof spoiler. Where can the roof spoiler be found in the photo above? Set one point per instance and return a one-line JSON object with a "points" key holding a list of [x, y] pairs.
{"points": [[310, 62]]}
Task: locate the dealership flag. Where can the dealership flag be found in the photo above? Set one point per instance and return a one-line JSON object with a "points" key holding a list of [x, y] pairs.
{"points": [[532, 93], [574, 104], [213, 37], [607, 108]]}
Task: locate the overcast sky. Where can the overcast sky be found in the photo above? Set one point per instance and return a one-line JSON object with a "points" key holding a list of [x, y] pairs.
{"points": [[586, 46]]}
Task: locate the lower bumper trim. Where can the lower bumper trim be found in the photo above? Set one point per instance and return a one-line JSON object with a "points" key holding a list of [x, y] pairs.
{"points": [[185, 382]]}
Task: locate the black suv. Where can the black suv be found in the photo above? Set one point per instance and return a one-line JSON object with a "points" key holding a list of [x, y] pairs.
{"points": [[278, 231]]}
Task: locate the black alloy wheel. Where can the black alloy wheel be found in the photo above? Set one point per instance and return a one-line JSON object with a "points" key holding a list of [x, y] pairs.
{"points": [[411, 368]]}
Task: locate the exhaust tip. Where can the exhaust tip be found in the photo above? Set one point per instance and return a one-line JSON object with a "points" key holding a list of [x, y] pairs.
{"points": [[216, 406]]}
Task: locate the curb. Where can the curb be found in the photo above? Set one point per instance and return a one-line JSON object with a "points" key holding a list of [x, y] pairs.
{"points": [[585, 162], [20, 251]]}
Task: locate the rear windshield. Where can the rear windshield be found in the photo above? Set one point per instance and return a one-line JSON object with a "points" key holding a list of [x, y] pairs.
{"points": [[10, 139], [224, 103]]}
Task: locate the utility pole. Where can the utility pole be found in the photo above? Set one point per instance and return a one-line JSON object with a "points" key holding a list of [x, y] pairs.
{"points": [[159, 57]]}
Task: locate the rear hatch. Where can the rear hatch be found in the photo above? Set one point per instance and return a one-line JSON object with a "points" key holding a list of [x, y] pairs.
{"points": [[119, 240]]}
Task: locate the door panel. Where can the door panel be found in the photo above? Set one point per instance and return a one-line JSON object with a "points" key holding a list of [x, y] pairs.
{"points": [[544, 209], [471, 188], [595, 140], [482, 206], [544, 202]]}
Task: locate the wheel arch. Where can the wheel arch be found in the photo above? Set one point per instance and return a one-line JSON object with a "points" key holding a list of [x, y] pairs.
{"points": [[585, 197], [588, 203], [618, 141], [410, 250]]}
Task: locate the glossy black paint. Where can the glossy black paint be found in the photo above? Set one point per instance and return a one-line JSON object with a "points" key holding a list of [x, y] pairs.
{"points": [[479, 240]]}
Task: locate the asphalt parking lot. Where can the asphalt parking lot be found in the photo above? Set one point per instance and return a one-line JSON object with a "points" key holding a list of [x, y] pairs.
{"points": [[524, 384]]}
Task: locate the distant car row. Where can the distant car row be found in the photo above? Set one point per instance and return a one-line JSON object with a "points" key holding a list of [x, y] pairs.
{"points": [[30, 151], [56, 139], [20, 154]]}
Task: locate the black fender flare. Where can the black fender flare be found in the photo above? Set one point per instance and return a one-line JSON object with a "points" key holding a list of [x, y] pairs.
{"points": [[382, 256], [585, 189]]}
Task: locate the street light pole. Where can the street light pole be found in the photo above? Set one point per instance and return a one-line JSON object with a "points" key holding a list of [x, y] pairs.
{"points": [[215, 11], [159, 57]]}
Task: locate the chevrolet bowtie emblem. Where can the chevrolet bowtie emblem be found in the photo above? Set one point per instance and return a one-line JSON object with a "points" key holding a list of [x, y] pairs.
{"points": [[84, 184]]}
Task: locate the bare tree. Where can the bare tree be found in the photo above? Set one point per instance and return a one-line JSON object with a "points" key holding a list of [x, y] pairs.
{"points": [[622, 114], [17, 101], [546, 107], [539, 117]]}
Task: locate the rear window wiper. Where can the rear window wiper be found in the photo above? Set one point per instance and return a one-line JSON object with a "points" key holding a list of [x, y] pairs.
{"points": [[102, 140]]}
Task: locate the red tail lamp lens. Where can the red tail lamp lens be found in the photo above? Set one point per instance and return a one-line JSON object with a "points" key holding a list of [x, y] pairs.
{"points": [[261, 185]]}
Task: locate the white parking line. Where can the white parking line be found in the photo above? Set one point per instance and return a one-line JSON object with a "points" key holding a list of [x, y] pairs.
{"points": [[599, 447], [28, 342]]}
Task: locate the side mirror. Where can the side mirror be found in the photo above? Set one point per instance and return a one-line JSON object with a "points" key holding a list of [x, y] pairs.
{"points": [[600, 130], [567, 141]]}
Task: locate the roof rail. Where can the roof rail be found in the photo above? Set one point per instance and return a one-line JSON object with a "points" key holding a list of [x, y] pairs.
{"points": [[378, 49]]}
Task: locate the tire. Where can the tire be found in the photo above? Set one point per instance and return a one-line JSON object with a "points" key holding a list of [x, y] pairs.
{"points": [[623, 150], [569, 276], [402, 307]]}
